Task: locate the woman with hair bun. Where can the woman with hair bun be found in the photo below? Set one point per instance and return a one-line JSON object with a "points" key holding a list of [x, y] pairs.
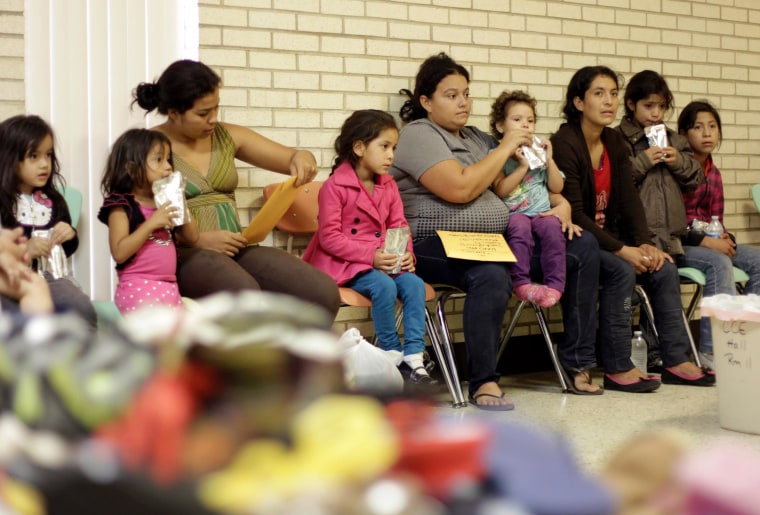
{"points": [[204, 150]]}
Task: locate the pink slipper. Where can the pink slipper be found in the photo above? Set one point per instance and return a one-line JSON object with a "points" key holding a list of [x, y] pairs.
{"points": [[549, 297], [530, 292]]}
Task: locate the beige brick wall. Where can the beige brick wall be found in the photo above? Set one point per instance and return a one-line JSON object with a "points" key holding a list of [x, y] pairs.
{"points": [[294, 69], [309, 64]]}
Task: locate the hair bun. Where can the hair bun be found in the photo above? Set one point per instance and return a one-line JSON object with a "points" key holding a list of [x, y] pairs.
{"points": [[146, 95]]}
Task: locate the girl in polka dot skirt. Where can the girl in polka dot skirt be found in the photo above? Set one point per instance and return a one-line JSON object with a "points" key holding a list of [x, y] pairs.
{"points": [[140, 233]]}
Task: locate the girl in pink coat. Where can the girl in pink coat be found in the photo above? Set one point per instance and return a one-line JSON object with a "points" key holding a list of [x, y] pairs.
{"points": [[358, 203]]}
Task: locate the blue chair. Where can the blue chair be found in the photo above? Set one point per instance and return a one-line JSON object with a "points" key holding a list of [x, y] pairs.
{"points": [[73, 199]]}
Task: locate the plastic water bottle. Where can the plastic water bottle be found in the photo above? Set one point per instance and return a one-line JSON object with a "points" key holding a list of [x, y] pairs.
{"points": [[639, 351], [714, 229]]}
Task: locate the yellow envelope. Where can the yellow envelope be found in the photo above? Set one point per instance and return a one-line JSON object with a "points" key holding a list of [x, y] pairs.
{"points": [[271, 212], [476, 246]]}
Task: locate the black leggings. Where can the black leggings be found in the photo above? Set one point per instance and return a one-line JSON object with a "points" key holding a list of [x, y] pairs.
{"points": [[201, 272]]}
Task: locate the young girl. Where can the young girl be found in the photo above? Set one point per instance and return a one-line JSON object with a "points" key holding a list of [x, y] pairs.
{"points": [[700, 124], [357, 204], [30, 198], [525, 191], [140, 233], [661, 173]]}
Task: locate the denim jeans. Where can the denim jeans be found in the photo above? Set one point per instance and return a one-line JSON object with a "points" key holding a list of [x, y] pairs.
{"points": [[617, 279], [383, 290], [579, 303], [67, 296], [719, 277], [488, 287]]}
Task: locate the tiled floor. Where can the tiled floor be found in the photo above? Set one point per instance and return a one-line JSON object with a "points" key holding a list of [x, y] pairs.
{"points": [[596, 426]]}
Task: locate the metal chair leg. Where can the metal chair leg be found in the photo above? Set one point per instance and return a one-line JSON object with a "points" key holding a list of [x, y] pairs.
{"points": [[442, 347], [541, 319], [699, 291]]}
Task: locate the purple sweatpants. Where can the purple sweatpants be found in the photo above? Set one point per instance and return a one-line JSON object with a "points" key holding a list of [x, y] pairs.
{"points": [[522, 233]]}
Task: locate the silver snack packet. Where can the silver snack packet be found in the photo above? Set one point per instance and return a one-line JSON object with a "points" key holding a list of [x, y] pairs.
{"points": [[172, 189], [535, 154], [656, 135], [396, 240], [56, 264]]}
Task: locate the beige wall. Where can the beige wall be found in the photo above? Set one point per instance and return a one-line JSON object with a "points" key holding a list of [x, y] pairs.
{"points": [[11, 58], [294, 69]]}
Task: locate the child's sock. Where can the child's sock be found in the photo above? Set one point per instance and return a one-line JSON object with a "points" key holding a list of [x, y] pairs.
{"points": [[549, 297], [529, 291]]}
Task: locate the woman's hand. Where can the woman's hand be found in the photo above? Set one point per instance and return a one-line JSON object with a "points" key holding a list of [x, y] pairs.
{"points": [[636, 257], [224, 242], [61, 232], [383, 261], [514, 139], [303, 166], [562, 210], [654, 257], [407, 262]]}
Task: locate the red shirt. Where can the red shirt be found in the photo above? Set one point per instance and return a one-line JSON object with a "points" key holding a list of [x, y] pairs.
{"points": [[603, 181]]}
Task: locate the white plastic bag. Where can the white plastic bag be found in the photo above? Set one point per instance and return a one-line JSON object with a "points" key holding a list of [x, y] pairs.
{"points": [[368, 368]]}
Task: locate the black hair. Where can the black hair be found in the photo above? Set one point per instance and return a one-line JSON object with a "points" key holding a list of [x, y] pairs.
{"points": [[125, 168], [688, 116], [432, 71], [19, 137], [500, 108], [643, 84], [364, 125], [579, 85], [178, 87]]}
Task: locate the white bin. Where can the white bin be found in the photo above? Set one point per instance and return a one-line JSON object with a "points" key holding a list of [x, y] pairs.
{"points": [[736, 340]]}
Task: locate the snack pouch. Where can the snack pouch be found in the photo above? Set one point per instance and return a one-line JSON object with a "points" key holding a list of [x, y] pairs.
{"points": [[535, 154], [656, 135], [56, 264], [172, 189], [395, 243]]}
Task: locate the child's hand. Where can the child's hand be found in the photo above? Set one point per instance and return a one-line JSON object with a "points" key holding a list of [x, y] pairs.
{"points": [[61, 232], [520, 156], [37, 247], [546, 144], [724, 244], [162, 216], [383, 261], [656, 155], [669, 156], [407, 262]]}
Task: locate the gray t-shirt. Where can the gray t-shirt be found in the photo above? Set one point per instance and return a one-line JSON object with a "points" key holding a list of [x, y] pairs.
{"points": [[423, 144]]}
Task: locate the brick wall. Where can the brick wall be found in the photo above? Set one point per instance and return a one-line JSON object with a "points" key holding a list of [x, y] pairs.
{"points": [[294, 69]]}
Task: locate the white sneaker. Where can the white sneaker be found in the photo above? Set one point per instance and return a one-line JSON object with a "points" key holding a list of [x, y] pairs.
{"points": [[707, 359]]}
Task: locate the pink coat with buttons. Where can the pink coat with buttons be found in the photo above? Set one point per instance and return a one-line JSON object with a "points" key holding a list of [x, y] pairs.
{"points": [[352, 224]]}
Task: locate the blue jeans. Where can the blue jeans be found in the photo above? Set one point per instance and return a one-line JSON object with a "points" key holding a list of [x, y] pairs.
{"points": [[488, 287], [719, 275], [615, 312], [69, 297], [579, 303], [383, 290]]}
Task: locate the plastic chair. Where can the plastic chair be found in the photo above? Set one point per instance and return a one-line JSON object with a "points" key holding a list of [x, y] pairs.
{"points": [[301, 220], [73, 199], [756, 196], [694, 276], [446, 292]]}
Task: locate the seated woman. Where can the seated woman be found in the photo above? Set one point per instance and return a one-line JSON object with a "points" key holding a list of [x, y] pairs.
{"points": [[204, 150], [444, 169], [599, 187]]}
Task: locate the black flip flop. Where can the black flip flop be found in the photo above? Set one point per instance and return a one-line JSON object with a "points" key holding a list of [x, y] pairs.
{"points": [[491, 407]]}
